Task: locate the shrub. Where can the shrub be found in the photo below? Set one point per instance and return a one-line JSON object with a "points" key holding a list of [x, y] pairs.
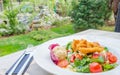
{"points": [[62, 22], [5, 3], [11, 15], [38, 37], [89, 13], [13, 26], [5, 30], [20, 29], [43, 35], [3, 25], [58, 23], [63, 7]]}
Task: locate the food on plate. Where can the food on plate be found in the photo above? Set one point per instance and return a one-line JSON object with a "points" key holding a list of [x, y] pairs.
{"points": [[84, 56], [86, 47], [95, 67], [60, 52]]}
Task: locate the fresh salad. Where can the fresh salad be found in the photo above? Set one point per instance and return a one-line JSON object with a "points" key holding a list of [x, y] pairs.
{"points": [[84, 56]]}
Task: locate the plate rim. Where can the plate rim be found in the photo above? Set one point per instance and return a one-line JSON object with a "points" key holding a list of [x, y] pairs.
{"points": [[88, 36]]}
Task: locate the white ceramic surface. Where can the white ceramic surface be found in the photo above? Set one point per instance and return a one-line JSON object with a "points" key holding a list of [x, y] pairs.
{"points": [[42, 54]]}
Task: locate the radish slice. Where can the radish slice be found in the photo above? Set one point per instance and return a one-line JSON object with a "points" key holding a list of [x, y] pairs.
{"points": [[53, 57], [52, 46]]}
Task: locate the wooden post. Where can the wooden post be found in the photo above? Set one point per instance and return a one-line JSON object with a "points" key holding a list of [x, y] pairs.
{"points": [[117, 24], [1, 5]]}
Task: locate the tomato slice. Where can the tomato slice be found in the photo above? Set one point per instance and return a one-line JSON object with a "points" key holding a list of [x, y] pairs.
{"points": [[63, 63], [72, 58], [112, 59], [109, 54], [95, 67]]}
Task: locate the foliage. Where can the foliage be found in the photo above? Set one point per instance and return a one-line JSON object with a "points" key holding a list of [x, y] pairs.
{"points": [[63, 7], [64, 21], [2, 25], [89, 13], [18, 42], [8, 4], [4, 30], [11, 15], [26, 8], [64, 29], [15, 43], [2, 16], [5, 3], [20, 28], [108, 12], [43, 35], [13, 27], [107, 28]]}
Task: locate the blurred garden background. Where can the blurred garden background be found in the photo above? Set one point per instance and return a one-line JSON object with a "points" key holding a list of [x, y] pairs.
{"points": [[24, 22]]}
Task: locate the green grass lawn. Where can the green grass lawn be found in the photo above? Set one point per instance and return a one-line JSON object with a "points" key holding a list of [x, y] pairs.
{"points": [[15, 43], [19, 42], [65, 29], [107, 28]]}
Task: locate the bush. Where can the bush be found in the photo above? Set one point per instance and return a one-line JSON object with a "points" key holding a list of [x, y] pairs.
{"points": [[20, 29], [11, 15], [3, 25], [89, 13], [64, 21], [5, 3], [5, 30], [43, 35], [63, 7], [13, 27]]}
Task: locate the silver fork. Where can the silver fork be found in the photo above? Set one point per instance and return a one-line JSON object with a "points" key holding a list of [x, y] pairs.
{"points": [[21, 65]]}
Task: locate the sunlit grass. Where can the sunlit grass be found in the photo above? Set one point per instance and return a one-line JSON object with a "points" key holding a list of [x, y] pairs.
{"points": [[107, 28], [65, 29], [16, 43], [19, 42]]}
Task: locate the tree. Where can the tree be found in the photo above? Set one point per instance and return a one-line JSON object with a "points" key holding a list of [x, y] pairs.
{"points": [[89, 13]]}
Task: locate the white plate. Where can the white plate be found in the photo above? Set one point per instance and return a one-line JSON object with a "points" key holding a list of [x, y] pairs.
{"points": [[42, 54]]}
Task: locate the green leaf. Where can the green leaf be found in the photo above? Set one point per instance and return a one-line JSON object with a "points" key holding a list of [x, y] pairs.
{"points": [[100, 59], [109, 66], [82, 62], [68, 46], [106, 49], [77, 62], [84, 69]]}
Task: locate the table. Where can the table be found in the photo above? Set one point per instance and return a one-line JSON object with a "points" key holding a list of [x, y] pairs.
{"points": [[34, 69]]}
